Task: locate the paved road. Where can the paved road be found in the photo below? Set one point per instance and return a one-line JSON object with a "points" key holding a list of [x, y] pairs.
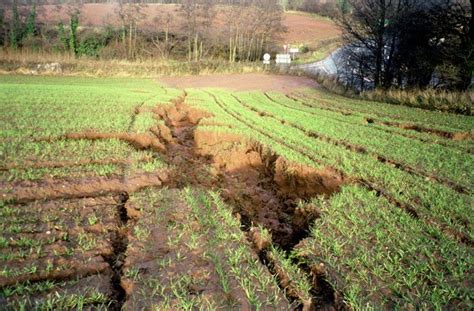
{"points": [[326, 66]]}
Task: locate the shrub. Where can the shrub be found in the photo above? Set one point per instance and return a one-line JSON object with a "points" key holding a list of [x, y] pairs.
{"points": [[91, 44]]}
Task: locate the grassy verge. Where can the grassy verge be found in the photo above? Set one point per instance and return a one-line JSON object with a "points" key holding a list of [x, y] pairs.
{"points": [[40, 64], [457, 102], [428, 99]]}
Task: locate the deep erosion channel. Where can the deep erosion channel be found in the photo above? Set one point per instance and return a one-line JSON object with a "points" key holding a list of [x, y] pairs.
{"points": [[264, 189], [259, 186]]}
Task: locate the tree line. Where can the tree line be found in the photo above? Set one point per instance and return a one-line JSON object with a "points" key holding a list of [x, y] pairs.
{"points": [[249, 28], [329, 8], [409, 44]]}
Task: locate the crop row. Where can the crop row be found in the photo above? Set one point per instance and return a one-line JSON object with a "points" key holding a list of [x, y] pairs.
{"points": [[378, 255], [433, 202], [434, 218], [433, 159], [355, 118], [195, 256], [42, 110], [37, 112], [424, 118]]}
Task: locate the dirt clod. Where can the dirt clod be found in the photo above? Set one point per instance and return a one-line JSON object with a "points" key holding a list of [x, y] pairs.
{"points": [[138, 141]]}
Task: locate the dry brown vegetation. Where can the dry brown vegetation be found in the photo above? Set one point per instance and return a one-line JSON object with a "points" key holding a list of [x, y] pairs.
{"points": [[300, 27]]}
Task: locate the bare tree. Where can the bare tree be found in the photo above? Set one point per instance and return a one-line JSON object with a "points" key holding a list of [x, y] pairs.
{"points": [[453, 35], [197, 20], [405, 42], [129, 14], [251, 26]]}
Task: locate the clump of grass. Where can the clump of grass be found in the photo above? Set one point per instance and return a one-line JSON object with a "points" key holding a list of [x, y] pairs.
{"points": [[457, 102]]}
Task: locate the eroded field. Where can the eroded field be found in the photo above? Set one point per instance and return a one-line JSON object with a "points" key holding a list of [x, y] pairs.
{"points": [[168, 198]]}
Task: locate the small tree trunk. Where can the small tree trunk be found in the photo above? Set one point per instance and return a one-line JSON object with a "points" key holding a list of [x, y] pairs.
{"points": [[130, 34], [189, 50], [196, 49]]}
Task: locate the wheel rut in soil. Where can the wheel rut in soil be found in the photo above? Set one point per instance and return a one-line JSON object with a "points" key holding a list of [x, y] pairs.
{"points": [[456, 136], [361, 150]]}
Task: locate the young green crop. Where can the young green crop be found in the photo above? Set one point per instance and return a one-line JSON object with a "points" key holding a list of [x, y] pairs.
{"points": [[431, 158], [434, 202], [198, 227], [378, 255], [375, 252], [437, 206], [37, 111], [425, 118], [310, 106]]}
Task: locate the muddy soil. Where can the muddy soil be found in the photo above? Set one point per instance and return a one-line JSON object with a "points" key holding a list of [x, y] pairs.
{"points": [[243, 82], [456, 136], [359, 149], [263, 188], [28, 191], [138, 141], [96, 283], [180, 254], [70, 239]]}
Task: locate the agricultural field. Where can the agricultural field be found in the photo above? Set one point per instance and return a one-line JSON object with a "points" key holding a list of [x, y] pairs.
{"points": [[300, 27], [137, 194]]}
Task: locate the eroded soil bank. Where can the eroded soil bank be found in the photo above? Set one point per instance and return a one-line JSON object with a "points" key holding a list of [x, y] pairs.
{"points": [[263, 188]]}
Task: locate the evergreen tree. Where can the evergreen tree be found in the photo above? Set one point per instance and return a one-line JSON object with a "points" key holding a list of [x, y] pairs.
{"points": [[63, 37], [30, 30], [344, 5], [15, 29], [2, 22], [73, 44]]}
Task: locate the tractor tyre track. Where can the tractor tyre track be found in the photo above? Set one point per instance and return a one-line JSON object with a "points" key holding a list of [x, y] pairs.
{"points": [[362, 150], [411, 210]]}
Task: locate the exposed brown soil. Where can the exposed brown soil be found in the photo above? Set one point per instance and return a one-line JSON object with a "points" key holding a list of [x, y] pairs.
{"points": [[78, 270], [262, 246], [176, 219], [89, 187], [116, 260], [60, 164], [359, 149], [98, 283], [263, 187], [301, 181], [457, 136], [301, 28], [59, 225], [324, 297], [411, 210], [138, 141], [242, 82], [343, 112]]}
